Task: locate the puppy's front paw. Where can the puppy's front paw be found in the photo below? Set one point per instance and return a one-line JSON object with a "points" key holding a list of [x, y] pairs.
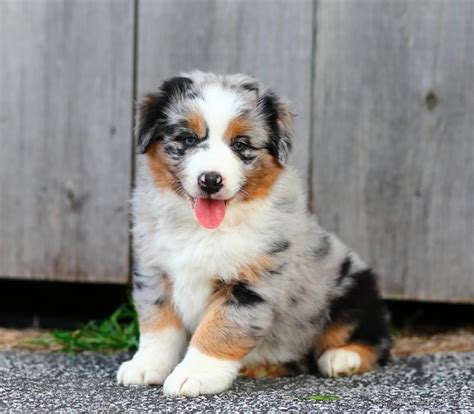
{"points": [[200, 374], [339, 362], [154, 360], [143, 369]]}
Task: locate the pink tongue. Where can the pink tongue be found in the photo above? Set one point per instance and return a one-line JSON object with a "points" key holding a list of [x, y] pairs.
{"points": [[209, 213]]}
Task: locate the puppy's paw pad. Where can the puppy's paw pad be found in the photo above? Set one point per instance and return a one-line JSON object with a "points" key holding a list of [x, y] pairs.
{"points": [[338, 363], [139, 371], [191, 384]]}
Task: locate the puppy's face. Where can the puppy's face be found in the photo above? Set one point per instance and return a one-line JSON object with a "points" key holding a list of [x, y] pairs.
{"points": [[214, 140]]}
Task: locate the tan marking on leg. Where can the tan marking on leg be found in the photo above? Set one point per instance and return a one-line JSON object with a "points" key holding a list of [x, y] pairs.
{"points": [[237, 126], [197, 124], [263, 370], [334, 336], [368, 355], [218, 336], [164, 315], [261, 178]]}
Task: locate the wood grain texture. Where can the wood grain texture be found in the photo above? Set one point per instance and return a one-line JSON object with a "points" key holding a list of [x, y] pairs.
{"points": [[65, 126], [271, 39], [393, 150]]}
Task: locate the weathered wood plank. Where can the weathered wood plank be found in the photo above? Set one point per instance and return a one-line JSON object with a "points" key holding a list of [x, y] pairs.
{"points": [[270, 39], [65, 126], [393, 149]]}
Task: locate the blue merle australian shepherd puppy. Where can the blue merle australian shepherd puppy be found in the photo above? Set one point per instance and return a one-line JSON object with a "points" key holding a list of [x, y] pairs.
{"points": [[233, 276]]}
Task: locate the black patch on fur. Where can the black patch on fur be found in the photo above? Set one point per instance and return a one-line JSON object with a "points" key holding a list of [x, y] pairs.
{"points": [[270, 104], [345, 268], [243, 295], [137, 285], [306, 365], [279, 247], [251, 87], [137, 279], [179, 85], [293, 369], [159, 301], [315, 319], [256, 331], [323, 248], [247, 159], [293, 300], [361, 305], [277, 271], [175, 152], [170, 130], [152, 113]]}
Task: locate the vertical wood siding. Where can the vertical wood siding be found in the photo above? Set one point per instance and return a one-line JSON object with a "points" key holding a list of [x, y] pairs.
{"points": [[393, 148], [65, 121], [384, 132], [270, 39]]}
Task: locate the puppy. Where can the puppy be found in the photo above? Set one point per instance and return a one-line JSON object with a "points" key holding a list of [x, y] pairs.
{"points": [[232, 273]]}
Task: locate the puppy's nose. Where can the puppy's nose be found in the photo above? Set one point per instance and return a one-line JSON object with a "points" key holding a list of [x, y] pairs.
{"points": [[210, 182]]}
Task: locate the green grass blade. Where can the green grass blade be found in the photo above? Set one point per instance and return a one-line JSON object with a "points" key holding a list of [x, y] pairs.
{"points": [[323, 397]]}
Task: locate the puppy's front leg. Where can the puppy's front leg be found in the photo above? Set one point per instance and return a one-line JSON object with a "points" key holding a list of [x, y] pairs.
{"points": [[162, 335], [236, 319]]}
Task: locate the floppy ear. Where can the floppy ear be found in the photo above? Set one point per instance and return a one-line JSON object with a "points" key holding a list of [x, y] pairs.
{"points": [[280, 124], [151, 111], [148, 112]]}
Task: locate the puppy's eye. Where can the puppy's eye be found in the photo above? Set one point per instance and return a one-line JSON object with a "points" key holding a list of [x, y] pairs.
{"points": [[190, 141], [240, 144]]}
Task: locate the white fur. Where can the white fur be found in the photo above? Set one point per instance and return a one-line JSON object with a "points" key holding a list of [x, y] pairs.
{"points": [[338, 362], [155, 359], [169, 241], [218, 158], [200, 374], [218, 107], [168, 236]]}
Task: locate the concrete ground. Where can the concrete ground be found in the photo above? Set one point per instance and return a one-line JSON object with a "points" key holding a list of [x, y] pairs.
{"points": [[35, 381]]}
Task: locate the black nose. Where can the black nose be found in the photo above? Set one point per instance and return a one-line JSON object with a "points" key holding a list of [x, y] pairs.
{"points": [[210, 182]]}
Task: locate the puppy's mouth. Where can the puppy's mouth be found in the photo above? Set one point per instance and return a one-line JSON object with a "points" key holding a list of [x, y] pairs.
{"points": [[208, 211]]}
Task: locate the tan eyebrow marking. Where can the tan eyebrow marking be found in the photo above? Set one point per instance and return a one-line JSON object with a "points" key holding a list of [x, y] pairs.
{"points": [[237, 126], [196, 122]]}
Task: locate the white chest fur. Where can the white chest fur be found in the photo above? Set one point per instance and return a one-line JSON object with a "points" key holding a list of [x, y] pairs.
{"points": [[196, 260], [168, 237], [190, 297], [194, 257]]}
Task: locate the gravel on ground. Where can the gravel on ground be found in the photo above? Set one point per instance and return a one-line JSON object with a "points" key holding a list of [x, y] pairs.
{"points": [[53, 381]]}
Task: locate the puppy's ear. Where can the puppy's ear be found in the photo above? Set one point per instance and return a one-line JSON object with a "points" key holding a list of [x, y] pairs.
{"points": [[148, 112], [280, 125], [151, 111]]}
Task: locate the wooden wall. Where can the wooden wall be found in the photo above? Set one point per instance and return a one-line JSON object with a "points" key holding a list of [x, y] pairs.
{"points": [[65, 156], [266, 38], [393, 141], [384, 133]]}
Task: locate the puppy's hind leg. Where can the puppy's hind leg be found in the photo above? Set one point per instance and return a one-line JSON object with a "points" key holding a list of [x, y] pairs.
{"points": [[357, 336]]}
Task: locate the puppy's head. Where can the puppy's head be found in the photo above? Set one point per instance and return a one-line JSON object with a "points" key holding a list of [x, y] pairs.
{"points": [[214, 140]]}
